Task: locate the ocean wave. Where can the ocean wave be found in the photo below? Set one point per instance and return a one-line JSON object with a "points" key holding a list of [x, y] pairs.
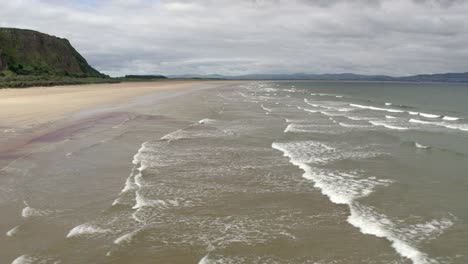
{"points": [[450, 118], [417, 121], [352, 125], [129, 185], [389, 126], [206, 260], [288, 120], [141, 201], [359, 118], [390, 117], [461, 127], [404, 238], [315, 152], [190, 134], [329, 114], [417, 145], [429, 115], [29, 211], [266, 109], [127, 238], [206, 121], [13, 231], [86, 229], [270, 90], [307, 110], [340, 187], [346, 188], [306, 128], [311, 104], [377, 108], [295, 128], [28, 259]]}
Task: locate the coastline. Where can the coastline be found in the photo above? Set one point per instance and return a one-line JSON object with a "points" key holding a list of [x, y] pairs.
{"points": [[38, 105], [34, 115]]}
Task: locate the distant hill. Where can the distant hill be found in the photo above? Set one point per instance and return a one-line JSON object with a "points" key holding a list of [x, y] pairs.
{"points": [[28, 52], [145, 77], [445, 77]]}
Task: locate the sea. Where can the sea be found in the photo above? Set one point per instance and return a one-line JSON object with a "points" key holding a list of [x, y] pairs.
{"points": [[247, 172]]}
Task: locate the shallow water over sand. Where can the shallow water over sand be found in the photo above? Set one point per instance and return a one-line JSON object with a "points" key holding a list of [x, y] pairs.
{"points": [[259, 172]]}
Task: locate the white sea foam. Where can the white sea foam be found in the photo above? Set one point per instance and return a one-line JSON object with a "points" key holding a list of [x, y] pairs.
{"points": [[289, 128], [29, 211], [329, 114], [266, 109], [307, 110], [288, 120], [86, 229], [357, 118], [376, 108], [126, 238], [352, 125], [388, 104], [402, 238], [141, 201], [207, 121], [306, 128], [413, 113], [206, 260], [449, 118], [416, 144], [139, 181], [25, 259], [136, 157], [389, 126], [417, 121], [345, 188], [129, 185], [295, 128], [271, 90], [390, 117], [340, 187], [429, 115], [461, 127], [13, 231], [311, 104]]}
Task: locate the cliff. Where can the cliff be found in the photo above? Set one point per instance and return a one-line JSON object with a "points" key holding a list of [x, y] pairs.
{"points": [[27, 52]]}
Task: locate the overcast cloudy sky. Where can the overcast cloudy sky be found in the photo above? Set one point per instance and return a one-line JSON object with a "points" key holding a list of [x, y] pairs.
{"points": [[394, 37]]}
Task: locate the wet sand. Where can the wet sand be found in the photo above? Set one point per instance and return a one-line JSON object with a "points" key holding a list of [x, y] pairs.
{"points": [[42, 114]]}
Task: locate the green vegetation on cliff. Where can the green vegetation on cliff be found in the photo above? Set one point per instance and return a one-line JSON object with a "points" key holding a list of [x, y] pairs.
{"points": [[30, 58], [27, 52]]}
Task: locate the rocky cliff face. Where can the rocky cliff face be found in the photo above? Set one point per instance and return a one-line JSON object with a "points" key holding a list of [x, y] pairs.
{"points": [[2, 61], [28, 52]]}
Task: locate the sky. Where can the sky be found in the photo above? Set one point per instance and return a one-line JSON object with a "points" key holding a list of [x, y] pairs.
{"points": [[235, 37]]}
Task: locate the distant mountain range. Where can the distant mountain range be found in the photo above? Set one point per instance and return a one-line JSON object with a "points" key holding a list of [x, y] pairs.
{"points": [[445, 77]]}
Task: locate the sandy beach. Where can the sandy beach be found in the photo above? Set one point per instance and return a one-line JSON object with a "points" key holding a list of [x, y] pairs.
{"points": [[232, 172], [33, 106]]}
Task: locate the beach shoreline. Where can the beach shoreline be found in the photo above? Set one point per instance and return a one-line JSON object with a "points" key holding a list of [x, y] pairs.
{"points": [[34, 115], [38, 105]]}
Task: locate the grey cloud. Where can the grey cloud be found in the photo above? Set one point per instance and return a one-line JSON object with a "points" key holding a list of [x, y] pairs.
{"points": [[395, 37]]}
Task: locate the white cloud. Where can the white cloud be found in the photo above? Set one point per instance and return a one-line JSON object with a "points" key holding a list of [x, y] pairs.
{"points": [[395, 37]]}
